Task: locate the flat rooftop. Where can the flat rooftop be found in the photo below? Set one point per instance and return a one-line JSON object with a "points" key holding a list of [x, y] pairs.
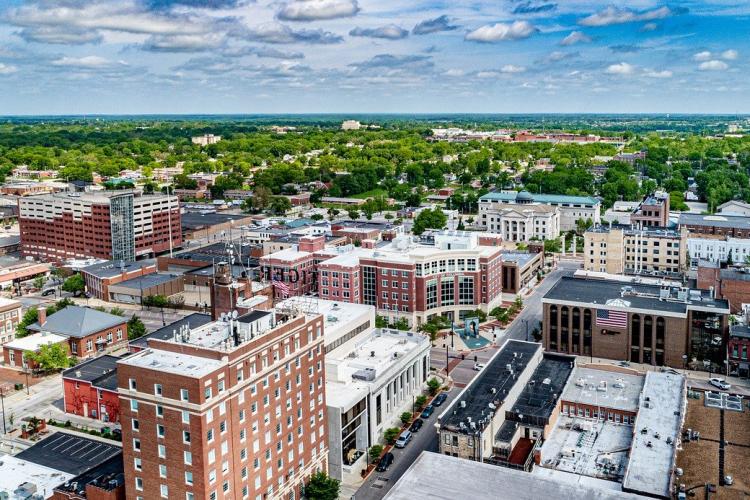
{"points": [[167, 332], [660, 416], [479, 394], [15, 471], [106, 476], [441, 477], [110, 268], [173, 362], [520, 258], [630, 296], [147, 281], [34, 341], [69, 453], [717, 220], [595, 387], [198, 220], [541, 394], [97, 371], [552, 199]]}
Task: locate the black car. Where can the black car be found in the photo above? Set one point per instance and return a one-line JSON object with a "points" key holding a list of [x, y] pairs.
{"points": [[440, 399], [49, 291], [416, 425], [385, 462]]}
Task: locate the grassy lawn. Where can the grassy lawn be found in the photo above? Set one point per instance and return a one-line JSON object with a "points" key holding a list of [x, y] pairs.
{"points": [[373, 193]]}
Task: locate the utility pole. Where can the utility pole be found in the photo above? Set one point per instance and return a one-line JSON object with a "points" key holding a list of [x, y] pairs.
{"points": [[447, 362], [2, 403]]}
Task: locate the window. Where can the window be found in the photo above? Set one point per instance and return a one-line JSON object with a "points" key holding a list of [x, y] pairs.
{"points": [[132, 384], [162, 470], [185, 417], [133, 405], [159, 430], [138, 483], [186, 437], [164, 491], [159, 411], [188, 478], [184, 394], [188, 458], [157, 389], [161, 451], [137, 464]]}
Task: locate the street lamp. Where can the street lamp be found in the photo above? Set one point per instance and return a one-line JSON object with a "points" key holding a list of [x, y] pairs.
{"points": [[26, 372], [447, 362], [2, 404]]}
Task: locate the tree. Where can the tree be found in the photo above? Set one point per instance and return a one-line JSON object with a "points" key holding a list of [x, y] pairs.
{"points": [[429, 219], [420, 401], [39, 282], [30, 317], [390, 435], [375, 452], [381, 322], [279, 205], [155, 301], [353, 214], [117, 311], [51, 357], [401, 324], [322, 487], [433, 385], [136, 328], [74, 285], [518, 302], [405, 417]]}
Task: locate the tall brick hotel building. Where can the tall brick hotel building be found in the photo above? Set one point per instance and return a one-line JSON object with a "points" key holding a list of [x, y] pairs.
{"points": [[230, 409], [119, 225]]}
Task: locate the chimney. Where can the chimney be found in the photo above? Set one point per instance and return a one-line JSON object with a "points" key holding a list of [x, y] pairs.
{"points": [[42, 315]]}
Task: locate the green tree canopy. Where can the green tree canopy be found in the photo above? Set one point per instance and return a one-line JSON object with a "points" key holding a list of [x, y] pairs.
{"points": [[322, 487]]}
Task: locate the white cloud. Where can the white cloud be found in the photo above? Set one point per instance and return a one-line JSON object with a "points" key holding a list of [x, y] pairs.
{"points": [[501, 32], [649, 27], [702, 56], [6, 69], [658, 74], [575, 37], [713, 65], [87, 62], [312, 10], [512, 68], [454, 72], [388, 32], [615, 15], [729, 55], [184, 43], [622, 68]]}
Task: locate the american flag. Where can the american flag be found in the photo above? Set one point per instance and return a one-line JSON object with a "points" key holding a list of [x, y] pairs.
{"points": [[281, 286], [612, 319]]}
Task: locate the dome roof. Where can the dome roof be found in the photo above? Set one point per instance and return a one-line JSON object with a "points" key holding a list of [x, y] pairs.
{"points": [[524, 196]]}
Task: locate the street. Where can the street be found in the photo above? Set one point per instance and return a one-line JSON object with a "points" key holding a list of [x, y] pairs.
{"points": [[378, 483]]}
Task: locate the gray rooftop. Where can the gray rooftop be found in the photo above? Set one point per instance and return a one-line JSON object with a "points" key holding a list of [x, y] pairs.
{"points": [[739, 331], [69, 453], [112, 268], [441, 477], [147, 281], [198, 220], [167, 332], [630, 296], [520, 258], [656, 434], [608, 389], [100, 372], [718, 220], [76, 321], [539, 397], [478, 395]]}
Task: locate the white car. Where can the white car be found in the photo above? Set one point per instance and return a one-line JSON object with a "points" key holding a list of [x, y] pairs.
{"points": [[720, 383], [478, 366]]}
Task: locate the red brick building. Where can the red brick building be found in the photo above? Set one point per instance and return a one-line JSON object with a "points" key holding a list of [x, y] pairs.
{"points": [[737, 350], [119, 225], [10, 315], [228, 410], [89, 332], [732, 284], [90, 389], [99, 277]]}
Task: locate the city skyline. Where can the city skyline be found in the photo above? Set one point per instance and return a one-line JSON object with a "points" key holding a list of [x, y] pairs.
{"points": [[359, 56]]}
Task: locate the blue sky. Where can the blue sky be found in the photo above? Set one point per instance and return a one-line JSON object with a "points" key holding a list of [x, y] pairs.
{"points": [[307, 56]]}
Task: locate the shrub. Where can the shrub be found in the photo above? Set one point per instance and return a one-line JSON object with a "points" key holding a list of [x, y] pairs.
{"points": [[405, 417], [375, 452], [390, 435], [433, 385], [421, 401]]}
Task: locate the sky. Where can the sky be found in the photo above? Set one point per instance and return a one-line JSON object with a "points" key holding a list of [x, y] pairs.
{"points": [[370, 56]]}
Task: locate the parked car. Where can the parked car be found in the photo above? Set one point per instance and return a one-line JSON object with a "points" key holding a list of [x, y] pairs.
{"points": [[403, 439], [440, 399], [416, 425], [385, 462], [427, 411], [720, 383], [49, 291], [478, 366]]}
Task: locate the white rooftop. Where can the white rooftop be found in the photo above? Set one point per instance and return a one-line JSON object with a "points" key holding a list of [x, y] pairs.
{"points": [[441, 477], [9, 302], [34, 341], [289, 254], [595, 387], [14, 472], [369, 362], [173, 362], [661, 413]]}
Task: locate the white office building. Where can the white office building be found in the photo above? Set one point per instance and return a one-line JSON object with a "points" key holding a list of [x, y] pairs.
{"points": [[717, 249]]}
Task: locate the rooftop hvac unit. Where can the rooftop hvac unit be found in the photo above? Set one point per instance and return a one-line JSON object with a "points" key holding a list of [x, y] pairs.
{"points": [[580, 382], [463, 404]]}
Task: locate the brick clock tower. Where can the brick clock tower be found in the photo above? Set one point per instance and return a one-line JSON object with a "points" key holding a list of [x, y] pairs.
{"points": [[226, 292]]}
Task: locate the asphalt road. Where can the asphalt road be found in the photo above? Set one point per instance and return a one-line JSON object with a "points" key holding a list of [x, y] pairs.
{"points": [[378, 483]]}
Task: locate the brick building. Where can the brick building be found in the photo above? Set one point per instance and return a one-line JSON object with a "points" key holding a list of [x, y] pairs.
{"points": [[637, 322], [99, 277], [520, 270], [737, 350], [729, 283], [603, 393], [90, 389], [10, 315], [89, 332], [653, 211], [736, 226], [106, 481], [232, 409], [119, 225], [14, 352]]}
